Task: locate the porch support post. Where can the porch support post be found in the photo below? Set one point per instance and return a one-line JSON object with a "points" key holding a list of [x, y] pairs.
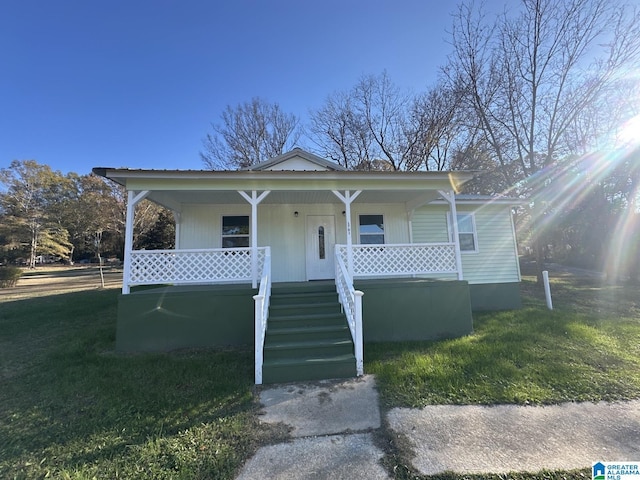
{"points": [[450, 198], [410, 224], [133, 199], [254, 200], [347, 198], [177, 216]]}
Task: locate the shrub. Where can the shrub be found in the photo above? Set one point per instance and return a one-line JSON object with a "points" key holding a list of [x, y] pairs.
{"points": [[9, 276]]}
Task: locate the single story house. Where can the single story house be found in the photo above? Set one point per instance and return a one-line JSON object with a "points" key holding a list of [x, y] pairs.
{"points": [[307, 261]]}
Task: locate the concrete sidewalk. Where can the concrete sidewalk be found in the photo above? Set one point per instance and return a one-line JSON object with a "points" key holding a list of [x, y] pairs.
{"points": [[332, 425], [510, 438]]}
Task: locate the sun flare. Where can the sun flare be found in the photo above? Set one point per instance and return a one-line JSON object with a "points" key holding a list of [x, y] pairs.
{"points": [[630, 132]]}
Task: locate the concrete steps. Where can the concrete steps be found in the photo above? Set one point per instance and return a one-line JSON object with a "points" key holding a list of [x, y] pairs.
{"points": [[307, 336]]}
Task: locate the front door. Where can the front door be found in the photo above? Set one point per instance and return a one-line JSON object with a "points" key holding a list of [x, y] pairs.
{"points": [[320, 243]]}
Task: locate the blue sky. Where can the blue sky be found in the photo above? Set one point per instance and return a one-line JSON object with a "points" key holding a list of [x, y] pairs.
{"points": [[87, 83]]}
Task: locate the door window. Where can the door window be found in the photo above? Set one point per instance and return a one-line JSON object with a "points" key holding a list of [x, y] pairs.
{"points": [[321, 246]]}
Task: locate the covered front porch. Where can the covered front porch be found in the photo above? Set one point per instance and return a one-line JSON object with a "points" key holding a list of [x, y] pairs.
{"points": [[240, 233], [224, 241]]}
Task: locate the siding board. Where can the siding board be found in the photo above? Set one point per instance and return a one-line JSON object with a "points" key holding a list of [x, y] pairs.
{"points": [[496, 260]]}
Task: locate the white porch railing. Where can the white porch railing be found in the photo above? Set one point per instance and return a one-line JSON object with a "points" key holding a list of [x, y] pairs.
{"points": [[400, 259], [351, 300], [262, 300], [215, 265]]}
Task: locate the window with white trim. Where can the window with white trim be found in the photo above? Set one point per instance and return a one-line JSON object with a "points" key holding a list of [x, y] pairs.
{"points": [[235, 231], [467, 232], [371, 229]]}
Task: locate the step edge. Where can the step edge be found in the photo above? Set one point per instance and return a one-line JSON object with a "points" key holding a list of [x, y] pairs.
{"points": [[322, 343], [282, 362], [310, 330], [307, 316]]}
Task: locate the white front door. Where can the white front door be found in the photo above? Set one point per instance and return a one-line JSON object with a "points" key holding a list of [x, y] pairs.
{"points": [[320, 243]]}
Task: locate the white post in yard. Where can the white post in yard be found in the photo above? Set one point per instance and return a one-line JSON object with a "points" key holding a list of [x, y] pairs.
{"points": [[547, 289], [254, 200], [450, 198], [347, 198], [132, 200]]}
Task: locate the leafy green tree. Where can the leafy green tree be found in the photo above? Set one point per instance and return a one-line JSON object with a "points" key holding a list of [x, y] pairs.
{"points": [[162, 234], [31, 193], [90, 209]]}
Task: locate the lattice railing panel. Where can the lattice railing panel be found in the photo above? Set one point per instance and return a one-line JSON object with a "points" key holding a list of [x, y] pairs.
{"points": [[405, 259], [192, 266]]}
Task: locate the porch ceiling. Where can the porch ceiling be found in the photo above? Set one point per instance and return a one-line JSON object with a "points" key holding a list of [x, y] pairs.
{"points": [[174, 198], [176, 188]]}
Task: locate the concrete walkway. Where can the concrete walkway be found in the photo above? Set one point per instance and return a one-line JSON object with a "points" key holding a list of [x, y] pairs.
{"points": [[332, 425]]}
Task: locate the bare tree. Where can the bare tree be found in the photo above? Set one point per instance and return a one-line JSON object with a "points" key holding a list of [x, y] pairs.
{"points": [[338, 131], [375, 125], [474, 66], [435, 128], [382, 111], [249, 133], [533, 76], [365, 127]]}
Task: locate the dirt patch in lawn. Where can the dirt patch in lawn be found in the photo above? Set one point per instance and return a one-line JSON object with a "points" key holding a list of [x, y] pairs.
{"points": [[56, 280]]}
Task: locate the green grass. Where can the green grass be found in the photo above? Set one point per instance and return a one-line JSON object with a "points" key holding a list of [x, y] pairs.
{"points": [[586, 349], [72, 408]]}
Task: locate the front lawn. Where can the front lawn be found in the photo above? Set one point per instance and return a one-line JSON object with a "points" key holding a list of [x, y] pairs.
{"points": [[586, 349], [71, 408]]}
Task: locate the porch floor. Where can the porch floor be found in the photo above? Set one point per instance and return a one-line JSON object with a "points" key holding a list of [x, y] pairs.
{"points": [[221, 287]]}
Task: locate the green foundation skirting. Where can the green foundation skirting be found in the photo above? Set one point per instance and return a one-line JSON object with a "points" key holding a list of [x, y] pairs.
{"points": [[413, 309], [170, 318], [495, 296]]}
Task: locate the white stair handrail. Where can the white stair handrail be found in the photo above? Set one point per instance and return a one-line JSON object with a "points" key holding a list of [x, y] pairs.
{"points": [[351, 301], [261, 306]]}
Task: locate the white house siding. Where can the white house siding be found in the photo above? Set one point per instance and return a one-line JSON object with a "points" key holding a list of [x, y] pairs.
{"points": [[299, 164], [279, 228], [201, 225], [496, 260], [396, 227]]}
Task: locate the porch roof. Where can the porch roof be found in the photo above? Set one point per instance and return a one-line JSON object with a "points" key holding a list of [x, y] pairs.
{"points": [[173, 188]]}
